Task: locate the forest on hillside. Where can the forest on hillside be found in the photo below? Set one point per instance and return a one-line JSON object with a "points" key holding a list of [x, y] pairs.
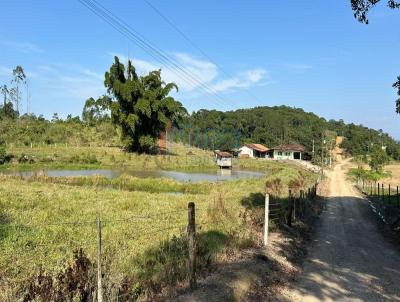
{"points": [[275, 125]]}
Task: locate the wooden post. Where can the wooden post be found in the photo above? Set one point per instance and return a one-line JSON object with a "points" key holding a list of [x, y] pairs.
{"points": [[383, 193], [379, 189], [266, 219], [309, 193], [290, 212], [389, 195], [294, 207], [302, 203], [192, 244], [397, 197], [99, 277]]}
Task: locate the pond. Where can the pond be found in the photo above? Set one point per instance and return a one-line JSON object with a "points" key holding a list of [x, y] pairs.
{"points": [[217, 175]]}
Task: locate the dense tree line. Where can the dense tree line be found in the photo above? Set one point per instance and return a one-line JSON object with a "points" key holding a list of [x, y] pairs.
{"points": [[37, 130], [275, 125]]}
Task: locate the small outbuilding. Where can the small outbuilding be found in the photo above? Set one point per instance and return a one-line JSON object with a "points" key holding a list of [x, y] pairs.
{"points": [[254, 151], [223, 159], [287, 152]]}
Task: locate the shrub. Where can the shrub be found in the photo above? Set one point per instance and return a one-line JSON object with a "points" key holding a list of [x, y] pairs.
{"points": [[26, 159]]}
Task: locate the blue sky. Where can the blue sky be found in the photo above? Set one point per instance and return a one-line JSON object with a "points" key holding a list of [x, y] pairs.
{"points": [[309, 54]]}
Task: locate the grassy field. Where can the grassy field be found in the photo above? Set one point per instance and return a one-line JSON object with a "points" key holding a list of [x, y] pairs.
{"points": [[43, 220]]}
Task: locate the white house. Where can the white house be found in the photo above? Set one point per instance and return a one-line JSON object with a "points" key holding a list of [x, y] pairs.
{"points": [[253, 150], [287, 152]]}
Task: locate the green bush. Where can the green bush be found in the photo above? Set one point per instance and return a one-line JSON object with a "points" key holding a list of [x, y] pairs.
{"points": [[3, 155], [25, 159]]}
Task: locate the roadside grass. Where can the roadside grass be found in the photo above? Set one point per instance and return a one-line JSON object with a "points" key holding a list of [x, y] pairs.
{"points": [[44, 220]]}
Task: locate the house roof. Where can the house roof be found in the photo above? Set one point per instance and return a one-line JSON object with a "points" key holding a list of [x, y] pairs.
{"points": [[223, 153], [258, 147], [290, 147]]}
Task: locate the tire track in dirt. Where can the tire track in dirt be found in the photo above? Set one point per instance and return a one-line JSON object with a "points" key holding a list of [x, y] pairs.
{"points": [[349, 259]]}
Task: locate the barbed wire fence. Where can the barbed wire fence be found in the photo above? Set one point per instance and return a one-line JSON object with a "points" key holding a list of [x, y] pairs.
{"points": [[98, 237]]}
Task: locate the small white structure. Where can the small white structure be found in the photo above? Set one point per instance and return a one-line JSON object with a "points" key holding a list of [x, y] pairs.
{"points": [[223, 159], [287, 152], [253, 151]]}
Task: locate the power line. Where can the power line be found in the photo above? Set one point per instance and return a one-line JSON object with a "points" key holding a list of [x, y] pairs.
{"points": [[195, 45], [123, 28]]}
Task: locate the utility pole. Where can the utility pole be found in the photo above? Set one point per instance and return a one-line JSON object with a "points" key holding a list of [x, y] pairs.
{"points": [[322, 157], [27, 97], [313, 147]]}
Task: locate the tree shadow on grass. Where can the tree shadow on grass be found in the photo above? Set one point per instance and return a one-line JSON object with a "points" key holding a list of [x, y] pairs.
{"points": [[165, 265], [254, 200], [4, 225]]}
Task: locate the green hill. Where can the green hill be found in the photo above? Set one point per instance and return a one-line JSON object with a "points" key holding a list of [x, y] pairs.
{"points": [[275, 125]]}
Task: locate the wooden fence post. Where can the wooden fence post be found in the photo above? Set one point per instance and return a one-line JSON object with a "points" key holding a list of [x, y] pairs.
{"points": [[294, 199], [302, 204], [99, 276], [290, 212], [379, 189], [383, 193], [192, 244], [397, 197], [266, 220], [389, 195]]}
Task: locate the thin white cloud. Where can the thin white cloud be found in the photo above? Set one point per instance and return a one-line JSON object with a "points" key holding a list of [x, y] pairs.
{"points": [[25, 47], [191, 73], [5, 71], [244, 79], [194, 74], [76, 82], [298, 68]]}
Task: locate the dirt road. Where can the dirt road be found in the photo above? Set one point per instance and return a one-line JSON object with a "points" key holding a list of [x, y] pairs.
{"points": [[349, 260]]}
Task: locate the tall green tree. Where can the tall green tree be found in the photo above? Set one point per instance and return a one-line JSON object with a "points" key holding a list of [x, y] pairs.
{"points": [[96, 110], [19, 77], [378, 159], [142, 106], [5, 92]]}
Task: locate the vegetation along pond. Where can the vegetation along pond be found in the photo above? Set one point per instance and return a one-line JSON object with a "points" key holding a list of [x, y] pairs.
{"points": [[218, 175]]}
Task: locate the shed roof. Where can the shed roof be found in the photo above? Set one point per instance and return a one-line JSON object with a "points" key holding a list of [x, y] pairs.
{"points": [[258, 147], [290, 147], [223, 153]]}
